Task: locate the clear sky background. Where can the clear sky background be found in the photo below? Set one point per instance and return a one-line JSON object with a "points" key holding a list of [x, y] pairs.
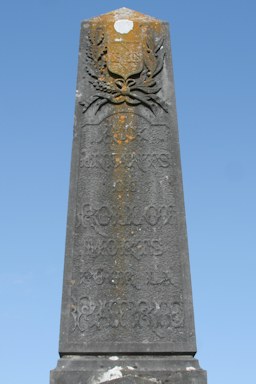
{"points": [[214, 56]]}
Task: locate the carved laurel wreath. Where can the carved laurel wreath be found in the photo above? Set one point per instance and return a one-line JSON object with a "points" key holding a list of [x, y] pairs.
{"points": [[138, 88]]}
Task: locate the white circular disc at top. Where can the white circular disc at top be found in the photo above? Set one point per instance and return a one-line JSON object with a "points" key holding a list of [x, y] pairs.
{"points": [[123, 26]]}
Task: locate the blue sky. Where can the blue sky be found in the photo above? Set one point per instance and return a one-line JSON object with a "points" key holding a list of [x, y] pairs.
{"points": [[214, 56]]}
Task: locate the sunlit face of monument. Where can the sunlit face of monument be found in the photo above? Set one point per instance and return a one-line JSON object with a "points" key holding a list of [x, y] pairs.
{"points": [[127, 312]]}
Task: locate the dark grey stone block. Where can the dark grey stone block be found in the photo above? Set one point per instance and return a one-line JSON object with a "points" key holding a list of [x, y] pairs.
{"points": [[127, 280], [128, 370], [127, 288]]}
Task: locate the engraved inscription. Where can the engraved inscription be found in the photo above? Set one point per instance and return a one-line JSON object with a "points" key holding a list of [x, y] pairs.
{"points": [[100, 275], [124, 186], [125, 128], [121, 132], [129, 53], [90, 216], [103, 314], [94, 246], [134, 161]]}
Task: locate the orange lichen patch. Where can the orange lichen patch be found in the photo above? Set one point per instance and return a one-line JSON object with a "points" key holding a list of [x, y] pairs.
{"points": [[123, 131], [126, 50], [124, 57], [121, 177]]}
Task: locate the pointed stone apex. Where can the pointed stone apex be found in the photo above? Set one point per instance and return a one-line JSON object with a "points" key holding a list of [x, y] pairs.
{"points": [[126, 13]]}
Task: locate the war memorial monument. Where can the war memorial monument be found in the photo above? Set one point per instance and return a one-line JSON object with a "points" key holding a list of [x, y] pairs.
{"points": [[127, 311]]}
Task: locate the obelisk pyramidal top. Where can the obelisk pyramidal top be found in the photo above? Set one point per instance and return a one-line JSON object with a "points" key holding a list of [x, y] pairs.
{"points": [[127, 290]]}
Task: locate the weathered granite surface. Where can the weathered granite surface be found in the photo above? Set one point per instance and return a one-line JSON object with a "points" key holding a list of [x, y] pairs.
{"points": [[127, 286], [128, 370]]}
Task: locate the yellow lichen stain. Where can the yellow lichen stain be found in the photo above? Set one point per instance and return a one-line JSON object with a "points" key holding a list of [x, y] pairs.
{"points": [[125, 56], [122, 176], [124, 52], [123, 131]]}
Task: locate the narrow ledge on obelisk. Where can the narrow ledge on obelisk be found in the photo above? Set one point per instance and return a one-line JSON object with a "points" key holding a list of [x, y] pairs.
{"points": [[128, 369]]}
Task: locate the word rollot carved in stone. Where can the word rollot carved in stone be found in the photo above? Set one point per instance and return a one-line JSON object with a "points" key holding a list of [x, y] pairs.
{"points": [[127, 313]]}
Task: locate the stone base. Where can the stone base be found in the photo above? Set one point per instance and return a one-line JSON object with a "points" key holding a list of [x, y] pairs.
{"points": [[128, 370]]}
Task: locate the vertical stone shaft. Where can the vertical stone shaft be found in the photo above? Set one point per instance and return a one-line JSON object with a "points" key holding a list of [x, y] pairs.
{"points": [[127, 290]]}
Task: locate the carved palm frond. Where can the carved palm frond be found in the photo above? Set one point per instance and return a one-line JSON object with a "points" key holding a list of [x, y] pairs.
{"points": [[95, 63], [150, 59]]}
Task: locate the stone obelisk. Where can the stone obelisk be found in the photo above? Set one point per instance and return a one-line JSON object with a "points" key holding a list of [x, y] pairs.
{"points": [[127, 312]]}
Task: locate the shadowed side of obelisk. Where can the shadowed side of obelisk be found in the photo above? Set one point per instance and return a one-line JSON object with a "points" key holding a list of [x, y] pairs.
{"points": [[127, 312]]}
